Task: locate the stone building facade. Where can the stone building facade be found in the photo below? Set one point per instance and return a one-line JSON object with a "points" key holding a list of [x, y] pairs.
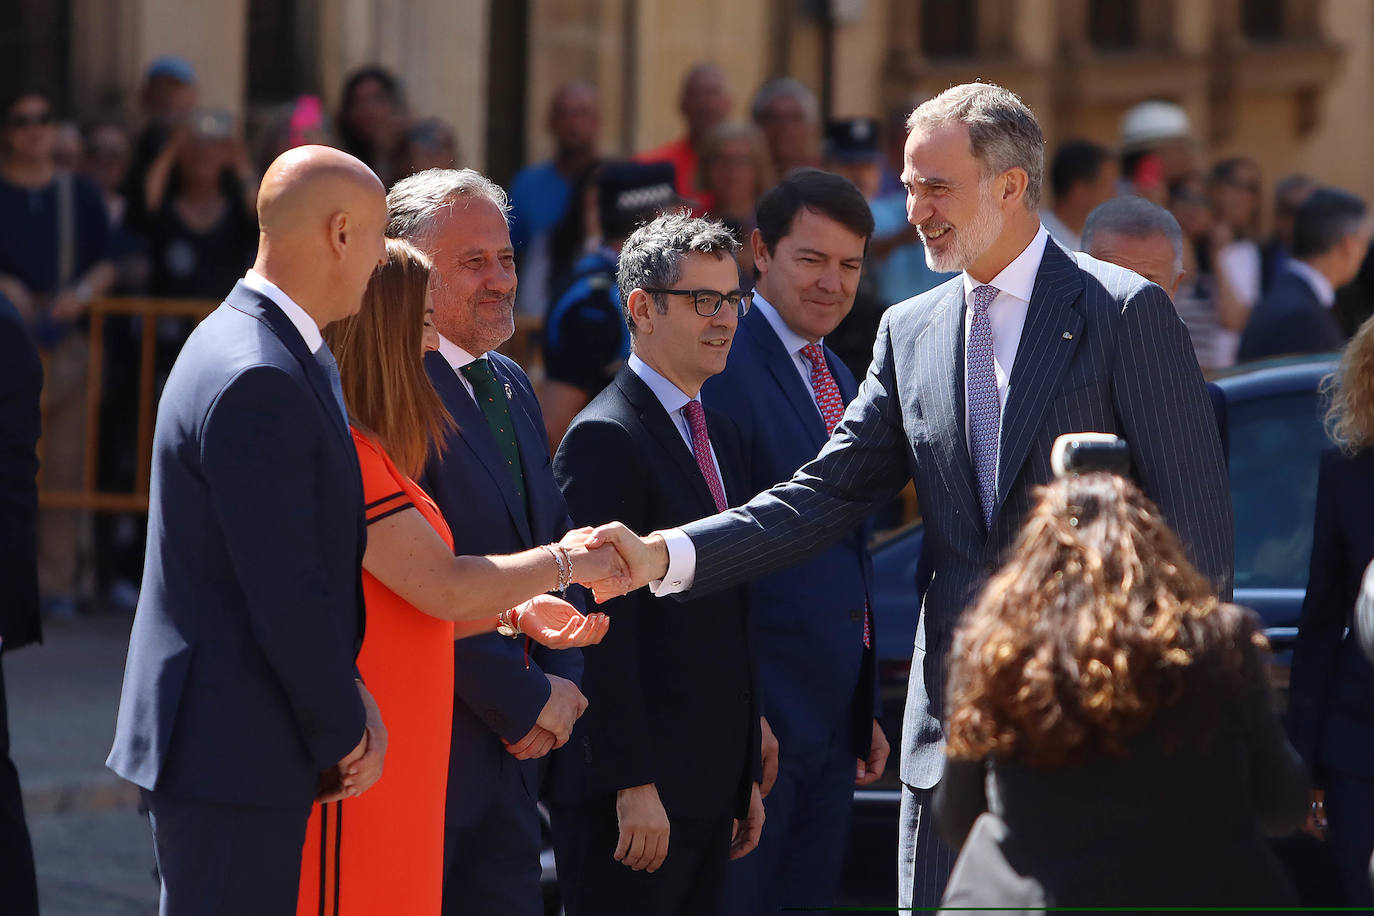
{"points": [[1285, 81]]}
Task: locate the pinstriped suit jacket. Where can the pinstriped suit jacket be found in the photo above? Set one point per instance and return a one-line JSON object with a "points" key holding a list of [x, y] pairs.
{"points": [[1102, 351]]}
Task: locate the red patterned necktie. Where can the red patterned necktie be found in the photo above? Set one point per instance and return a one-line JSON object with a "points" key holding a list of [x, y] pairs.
{"points": [[701, 446], [827, 393], [831, 405]]}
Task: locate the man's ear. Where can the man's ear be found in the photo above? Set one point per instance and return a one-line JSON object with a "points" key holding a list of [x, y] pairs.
{"points": [[1173, 291], [1014, 187], [641, 308], [761, 253], [339, 229]]}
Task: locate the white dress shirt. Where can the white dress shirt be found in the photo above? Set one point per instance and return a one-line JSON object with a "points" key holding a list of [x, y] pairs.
{"points": [[1007, 314], [792, 342], [1321, 287], [681, 553], [673, 400], [457, 358], [304, 324]]}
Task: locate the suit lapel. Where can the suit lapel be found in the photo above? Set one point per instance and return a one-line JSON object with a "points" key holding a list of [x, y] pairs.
{"points": [[662, 428], [474, 433], [727, 459], [784, 372], [265, 310], [1051, 334], [940, 351], [848, 389]]}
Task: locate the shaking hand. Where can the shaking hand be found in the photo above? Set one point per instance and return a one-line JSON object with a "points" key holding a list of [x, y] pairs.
{"points": [[646, 558], [600, 570]]}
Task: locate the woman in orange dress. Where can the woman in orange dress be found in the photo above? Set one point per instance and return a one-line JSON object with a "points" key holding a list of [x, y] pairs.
{"points": [[382, 851]]}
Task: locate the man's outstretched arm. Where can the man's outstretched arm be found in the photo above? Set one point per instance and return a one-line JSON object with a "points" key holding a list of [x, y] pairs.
{"points": [[864, 462]]}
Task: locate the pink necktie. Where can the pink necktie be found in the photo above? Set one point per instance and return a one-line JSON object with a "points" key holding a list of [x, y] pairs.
{"points": [[831, 405], [701, 446]]}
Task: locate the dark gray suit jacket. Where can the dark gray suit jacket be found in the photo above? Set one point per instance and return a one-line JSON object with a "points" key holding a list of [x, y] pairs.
{"points": [[1102, 351]]}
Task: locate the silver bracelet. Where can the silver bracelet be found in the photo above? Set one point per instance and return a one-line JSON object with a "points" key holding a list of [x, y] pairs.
{"points": [[564, 570], [560, 558]]}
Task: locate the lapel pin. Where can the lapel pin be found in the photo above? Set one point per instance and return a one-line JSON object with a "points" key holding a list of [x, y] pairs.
{"points": [[1067, 336], [510, 395]]}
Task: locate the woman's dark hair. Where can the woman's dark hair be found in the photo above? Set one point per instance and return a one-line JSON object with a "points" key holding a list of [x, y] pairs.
{"points": [[824, 193], [1096, 624], [354, 142]]}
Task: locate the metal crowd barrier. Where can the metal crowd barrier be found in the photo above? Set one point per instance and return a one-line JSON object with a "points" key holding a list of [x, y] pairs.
{"points": [[524, 347]]}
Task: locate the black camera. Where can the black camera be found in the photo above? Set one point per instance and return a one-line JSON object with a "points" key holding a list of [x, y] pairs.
{"points": [[1084, 453]]}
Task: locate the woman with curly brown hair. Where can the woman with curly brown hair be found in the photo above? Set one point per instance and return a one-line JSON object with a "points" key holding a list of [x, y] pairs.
{"points": [[1331, 711], [1110, 735]]}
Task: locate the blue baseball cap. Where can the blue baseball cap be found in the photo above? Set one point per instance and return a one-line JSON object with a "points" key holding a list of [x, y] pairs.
{"points": [[177, 68]]}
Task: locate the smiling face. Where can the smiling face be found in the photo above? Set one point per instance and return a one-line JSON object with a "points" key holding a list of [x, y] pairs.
{"points": [[681, 345], [955, 209], [474, 266], [812, 274]]}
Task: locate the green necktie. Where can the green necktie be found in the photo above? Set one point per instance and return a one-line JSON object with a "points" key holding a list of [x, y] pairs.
{"points": [[491, 398]]}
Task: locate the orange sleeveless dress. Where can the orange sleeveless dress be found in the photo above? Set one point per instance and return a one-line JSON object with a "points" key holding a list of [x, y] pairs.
{"points": [[383, 852]]}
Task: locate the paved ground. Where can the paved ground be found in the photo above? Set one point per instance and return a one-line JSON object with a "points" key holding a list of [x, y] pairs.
{"points": [[92, 847]]}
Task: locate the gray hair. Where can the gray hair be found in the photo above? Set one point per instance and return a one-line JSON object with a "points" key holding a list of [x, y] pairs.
{"points": [[1002, 131], [1134, 218], [652, 256], [414, 203], [781, 88]]}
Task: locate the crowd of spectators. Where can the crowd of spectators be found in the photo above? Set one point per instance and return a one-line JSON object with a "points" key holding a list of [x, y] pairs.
{"points": [[168, 210]]}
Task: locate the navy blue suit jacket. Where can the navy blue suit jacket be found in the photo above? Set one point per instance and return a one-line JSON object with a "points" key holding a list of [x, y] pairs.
{"points": [[1102, 351], [807, 619], [239, 686], [1331, 700], [670, 690], [498, 695], [1289, 318]]}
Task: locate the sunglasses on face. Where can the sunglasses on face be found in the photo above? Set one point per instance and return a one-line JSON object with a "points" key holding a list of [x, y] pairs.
{"points": [[29, 120]]}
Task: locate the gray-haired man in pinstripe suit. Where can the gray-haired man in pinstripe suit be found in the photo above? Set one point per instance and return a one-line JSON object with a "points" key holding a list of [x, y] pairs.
{"points": [[969, 387]]}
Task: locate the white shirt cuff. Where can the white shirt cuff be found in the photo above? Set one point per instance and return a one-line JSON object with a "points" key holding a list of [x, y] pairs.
{"points": [[682, 564]]}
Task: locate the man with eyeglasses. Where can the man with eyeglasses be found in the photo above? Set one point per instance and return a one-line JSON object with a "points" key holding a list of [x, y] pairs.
{"points": [[666, 757], [812, 624]]}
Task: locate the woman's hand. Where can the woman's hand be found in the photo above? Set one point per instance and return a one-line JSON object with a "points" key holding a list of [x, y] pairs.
{"points": [[602, 569], [555, 623]]}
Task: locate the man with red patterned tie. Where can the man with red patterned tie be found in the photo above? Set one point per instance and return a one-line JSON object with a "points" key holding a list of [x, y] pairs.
{"points": [[667, 757], [812, 622]]}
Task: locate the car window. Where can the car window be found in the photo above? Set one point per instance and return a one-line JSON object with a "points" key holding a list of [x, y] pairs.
{"points": [[1276, 442]]}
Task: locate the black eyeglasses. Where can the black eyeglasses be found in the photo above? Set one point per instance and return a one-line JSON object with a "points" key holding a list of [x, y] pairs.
{"points": [[33, 120], [708, 301]]}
